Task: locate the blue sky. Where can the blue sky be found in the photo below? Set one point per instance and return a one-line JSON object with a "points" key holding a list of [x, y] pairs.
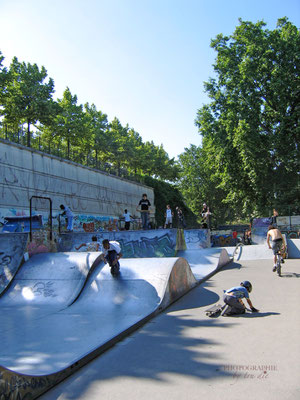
{"points": [[142, 61]]}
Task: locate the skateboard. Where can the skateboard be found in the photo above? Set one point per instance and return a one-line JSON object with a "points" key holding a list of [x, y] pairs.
{"points": [[214, 311]]}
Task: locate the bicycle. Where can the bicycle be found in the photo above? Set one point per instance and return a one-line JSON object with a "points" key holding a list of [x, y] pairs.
{"points": [[278, 263]]}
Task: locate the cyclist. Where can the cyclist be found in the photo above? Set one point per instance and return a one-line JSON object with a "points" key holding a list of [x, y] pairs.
{"points": [[277, 243], [233, 299]]}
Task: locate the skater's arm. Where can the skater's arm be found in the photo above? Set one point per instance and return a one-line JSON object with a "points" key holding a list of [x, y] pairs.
{"points": [[253, 309], [250, 303], [79, 247], [268, 240], [117, 258]]}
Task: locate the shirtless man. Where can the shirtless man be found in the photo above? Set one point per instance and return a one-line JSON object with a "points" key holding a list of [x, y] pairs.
{"points": [[277, 242]]}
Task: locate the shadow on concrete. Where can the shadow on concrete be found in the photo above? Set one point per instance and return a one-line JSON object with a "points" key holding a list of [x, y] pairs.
{"points": [[163, 347], [232, 265], [289, 275], [200, 296], [258, 315]]}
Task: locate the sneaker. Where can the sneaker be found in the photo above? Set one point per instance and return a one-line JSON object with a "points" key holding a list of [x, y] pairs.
{"points": [[282, 261], [274, 268]]}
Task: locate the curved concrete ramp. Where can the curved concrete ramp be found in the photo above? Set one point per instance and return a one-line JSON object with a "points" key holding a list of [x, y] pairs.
{"points": [[254, 252], [49, 348], [205, 262], [46, 283], [12, 247]]}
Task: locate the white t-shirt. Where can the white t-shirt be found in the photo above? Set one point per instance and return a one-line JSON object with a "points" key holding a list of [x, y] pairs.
{"points": [[169, 213], [127, 217], [68, 212], [113, 245]]}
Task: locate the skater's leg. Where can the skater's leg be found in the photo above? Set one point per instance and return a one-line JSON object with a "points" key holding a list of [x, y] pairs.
{"points": [[112, 258], [235, 306]]}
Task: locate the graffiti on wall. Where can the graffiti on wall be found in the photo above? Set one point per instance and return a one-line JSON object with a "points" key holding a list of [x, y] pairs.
{"points": [[159, 246], [196, 238], [41, 243], [152, 243], [222, 240], [260, 228], [18, 221]]}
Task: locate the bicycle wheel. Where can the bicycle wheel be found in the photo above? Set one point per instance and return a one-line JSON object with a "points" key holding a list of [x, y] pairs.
{"points": [[278, 266]]}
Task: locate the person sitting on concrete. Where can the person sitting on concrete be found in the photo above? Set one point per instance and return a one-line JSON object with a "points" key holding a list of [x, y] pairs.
{"points": [[111, 255], [69, 216], [92, 246], [278, 245], [233, 299]]}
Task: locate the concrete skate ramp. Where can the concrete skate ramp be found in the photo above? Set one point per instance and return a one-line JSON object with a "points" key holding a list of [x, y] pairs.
{"points": [[12, 247], [46, 283], [293, 248], [254, 252], [49, 348], [205, 262]]}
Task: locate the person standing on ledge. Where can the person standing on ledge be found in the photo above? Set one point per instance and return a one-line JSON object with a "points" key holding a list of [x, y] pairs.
{"points": [[144, 208], [169, 217], [127, 218], [69, 216]]}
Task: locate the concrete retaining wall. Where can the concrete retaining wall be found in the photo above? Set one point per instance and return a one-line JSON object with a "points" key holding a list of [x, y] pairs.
{"points": [[88, 192]]}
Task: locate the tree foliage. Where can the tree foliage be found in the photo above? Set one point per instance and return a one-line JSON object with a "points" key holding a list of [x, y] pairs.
{"points": [[27, 98], [250, 129], [68, 129]]}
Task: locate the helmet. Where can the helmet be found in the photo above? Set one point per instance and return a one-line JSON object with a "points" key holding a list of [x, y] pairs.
{"points": [[247, 285]]}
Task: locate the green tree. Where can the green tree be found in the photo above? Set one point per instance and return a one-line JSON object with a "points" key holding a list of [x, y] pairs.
{"points": [[251, 128], [3, 81], [68, 124], [199, 185], [95, 136], [27, 99]]}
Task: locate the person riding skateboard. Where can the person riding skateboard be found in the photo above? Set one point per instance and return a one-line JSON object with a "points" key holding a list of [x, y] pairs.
{"points": [[111, 255]]}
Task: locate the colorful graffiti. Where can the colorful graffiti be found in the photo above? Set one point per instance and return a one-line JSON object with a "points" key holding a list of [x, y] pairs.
{"points": [[197, 238], [41, 243], [152, 243], [223, 240], [21, 223]]}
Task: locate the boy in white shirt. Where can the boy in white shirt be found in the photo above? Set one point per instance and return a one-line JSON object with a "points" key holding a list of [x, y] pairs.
{"points": [[111, 255], [169, 216], [69, 216], [127, 217]]}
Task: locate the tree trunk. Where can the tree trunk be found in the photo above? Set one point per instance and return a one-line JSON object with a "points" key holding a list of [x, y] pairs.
{"points": [[28, 134]]}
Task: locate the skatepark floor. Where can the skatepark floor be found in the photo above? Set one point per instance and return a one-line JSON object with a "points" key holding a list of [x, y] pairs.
{"points": [[182, 353]]}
